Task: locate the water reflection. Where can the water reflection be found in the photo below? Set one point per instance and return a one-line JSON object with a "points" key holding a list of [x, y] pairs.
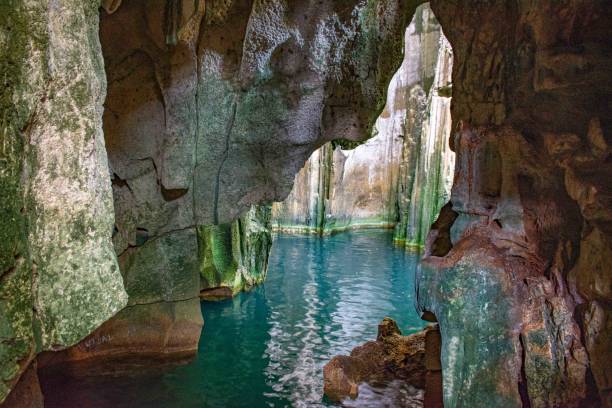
{"points": [[267, 347]]}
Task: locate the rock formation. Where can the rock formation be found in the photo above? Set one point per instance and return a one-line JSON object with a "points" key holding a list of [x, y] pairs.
{"points": [[427, 164], [234, 257], [214, 106], [401, 176], [59, 278], [516, 262], [412, 359], [211, 107]]}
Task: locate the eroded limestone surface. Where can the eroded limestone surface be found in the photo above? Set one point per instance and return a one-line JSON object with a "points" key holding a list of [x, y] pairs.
{"points": [[400, 177], [214, 106], [522, 320], [59, 278]]}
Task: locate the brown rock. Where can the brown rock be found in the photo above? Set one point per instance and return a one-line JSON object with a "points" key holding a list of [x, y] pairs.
{"points": [[433, 390], [219, 293], [432, 350], [26, 393], [139, 337], [391, 357]]}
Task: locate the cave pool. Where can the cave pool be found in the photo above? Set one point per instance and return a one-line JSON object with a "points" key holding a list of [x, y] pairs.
{"points": [[267, 347]]}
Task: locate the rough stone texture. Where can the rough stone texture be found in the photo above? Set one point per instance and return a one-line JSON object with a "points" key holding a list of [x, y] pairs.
{"points": [[210, 111], [406, 165], [234, 257], [26, 393], [139, 337], [218, 108], [427, 164], [390, 358], [516, 265], [59, 277], [164, 269]]}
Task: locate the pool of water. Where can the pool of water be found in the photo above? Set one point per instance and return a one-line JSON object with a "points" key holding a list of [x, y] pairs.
{"points": [[267, 347]]}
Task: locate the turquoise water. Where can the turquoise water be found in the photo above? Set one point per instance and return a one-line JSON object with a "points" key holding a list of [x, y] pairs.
{"points": [[267, 347]]}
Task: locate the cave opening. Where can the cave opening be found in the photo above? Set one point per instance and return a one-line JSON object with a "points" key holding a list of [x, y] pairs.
{"points": [[128, 221], [392, 184]]}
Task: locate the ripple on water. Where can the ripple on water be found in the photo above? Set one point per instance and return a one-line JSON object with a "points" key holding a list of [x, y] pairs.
{"points": [[267, 347]]}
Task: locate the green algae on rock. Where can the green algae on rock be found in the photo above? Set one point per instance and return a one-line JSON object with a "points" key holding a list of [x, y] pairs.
{"points": [[59, 273], [235, 256]]}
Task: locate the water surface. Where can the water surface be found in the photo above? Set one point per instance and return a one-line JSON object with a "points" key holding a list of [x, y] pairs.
{"points": [[267, 347]]}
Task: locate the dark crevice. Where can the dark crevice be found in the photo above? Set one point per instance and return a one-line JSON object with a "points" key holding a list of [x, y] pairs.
{"points": [[142, 236], [173, 13], [522, 385], [442, 244], [171, 194], [119, 182], [152, 238], [5, 275]]}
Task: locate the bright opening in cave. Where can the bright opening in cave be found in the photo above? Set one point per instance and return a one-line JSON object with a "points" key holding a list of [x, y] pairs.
{"points": [[322, 296], [273, 203]]}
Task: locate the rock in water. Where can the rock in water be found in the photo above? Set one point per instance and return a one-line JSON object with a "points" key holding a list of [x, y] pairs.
{"points": [[390, 360]]}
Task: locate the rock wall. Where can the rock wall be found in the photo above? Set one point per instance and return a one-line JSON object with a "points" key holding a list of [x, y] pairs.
{"points": [[59, 277], [400, 177], [226, 100], [212, 107], [516, 261], [234, 257], [427, 164], [341, 189]]}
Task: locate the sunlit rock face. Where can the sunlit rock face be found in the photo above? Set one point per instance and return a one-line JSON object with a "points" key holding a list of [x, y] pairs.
{"points": [[340, 189], [427, 164], [516, 261], [213, 107], [59, 277], [403, 174]]}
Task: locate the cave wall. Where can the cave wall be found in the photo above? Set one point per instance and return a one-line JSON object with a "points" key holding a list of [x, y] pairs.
{"points": [[427, 164], [59, 277], [516, 262], [212, 107], [403, 173], [235, 95], [343, 189]]}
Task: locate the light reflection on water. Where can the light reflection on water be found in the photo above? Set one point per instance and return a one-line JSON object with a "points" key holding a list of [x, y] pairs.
{"points": [[322, 297]]}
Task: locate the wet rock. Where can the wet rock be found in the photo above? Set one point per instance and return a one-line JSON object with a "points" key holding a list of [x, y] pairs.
{"points": [[380, 364], [234, 257], [26, 393], [139, 337]]}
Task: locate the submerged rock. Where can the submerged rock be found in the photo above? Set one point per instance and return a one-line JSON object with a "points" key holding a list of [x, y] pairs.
{"points": [[393, 360]]}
